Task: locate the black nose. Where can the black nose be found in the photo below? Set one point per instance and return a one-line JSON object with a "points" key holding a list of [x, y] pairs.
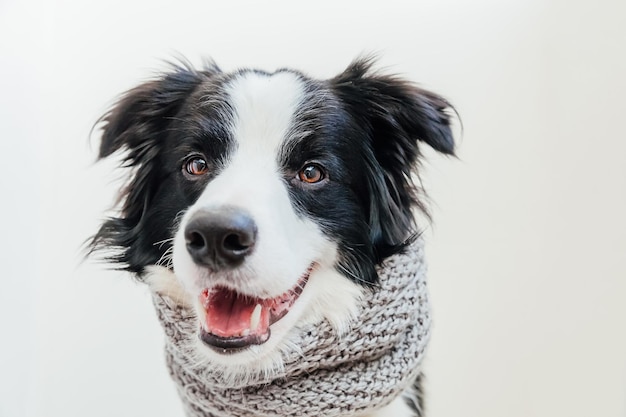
{"points": [[220, 238]]}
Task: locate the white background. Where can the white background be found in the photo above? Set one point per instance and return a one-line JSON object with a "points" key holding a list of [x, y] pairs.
{"points": [[527, 252]]}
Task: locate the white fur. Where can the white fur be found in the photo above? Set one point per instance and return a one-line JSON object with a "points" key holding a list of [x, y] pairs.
{"points": [[287, 243], [163, 281]]}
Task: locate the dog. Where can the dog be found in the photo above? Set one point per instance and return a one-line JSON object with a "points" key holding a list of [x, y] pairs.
{"points": [[266, 200]]}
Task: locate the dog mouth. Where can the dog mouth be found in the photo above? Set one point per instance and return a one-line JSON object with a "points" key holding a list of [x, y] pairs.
{"points": [[233, 321]]}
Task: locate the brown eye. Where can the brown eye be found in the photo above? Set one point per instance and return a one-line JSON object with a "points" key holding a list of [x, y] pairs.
{"points": [[196, 166], [311, 174]]}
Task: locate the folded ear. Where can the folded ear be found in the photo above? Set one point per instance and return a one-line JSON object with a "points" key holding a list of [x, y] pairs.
{"points": [[396, 116], [143, 112], [394, 105], [137, 124]]}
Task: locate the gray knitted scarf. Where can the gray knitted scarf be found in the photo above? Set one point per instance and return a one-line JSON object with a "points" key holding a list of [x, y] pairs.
{"points": [[330, 375]]}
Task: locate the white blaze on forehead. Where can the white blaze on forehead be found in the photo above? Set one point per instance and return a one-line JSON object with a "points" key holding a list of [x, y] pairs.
{"points": [[264, 107], [287, 243], [263, 111]]}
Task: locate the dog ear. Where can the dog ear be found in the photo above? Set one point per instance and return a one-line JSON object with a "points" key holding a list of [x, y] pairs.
{"points": [[142, 113], [137, 124], [396, 116]]}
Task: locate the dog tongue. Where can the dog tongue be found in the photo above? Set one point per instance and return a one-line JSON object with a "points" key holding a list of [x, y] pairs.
{"points": [[232, 315]]}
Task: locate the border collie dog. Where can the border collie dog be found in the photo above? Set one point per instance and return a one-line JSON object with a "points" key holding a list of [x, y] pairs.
{"points": [[266, 200]]}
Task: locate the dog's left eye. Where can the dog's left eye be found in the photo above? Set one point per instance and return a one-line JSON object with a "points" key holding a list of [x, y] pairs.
{"points": [[311, 174], [196, 166]]}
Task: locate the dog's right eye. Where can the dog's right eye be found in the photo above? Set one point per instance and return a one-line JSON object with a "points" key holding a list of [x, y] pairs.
{"points": [[311, 174], [196, 166]]}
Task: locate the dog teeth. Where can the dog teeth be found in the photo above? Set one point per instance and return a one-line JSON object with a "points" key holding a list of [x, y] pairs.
{"points": [[255, 318]]}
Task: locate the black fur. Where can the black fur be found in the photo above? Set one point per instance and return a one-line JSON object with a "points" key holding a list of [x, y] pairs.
{"points": [[140, 124], [416, 401], [393, 115], [366, 130]]}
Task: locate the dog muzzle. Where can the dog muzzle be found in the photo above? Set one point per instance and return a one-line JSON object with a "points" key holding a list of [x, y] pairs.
{"points": [[325, 373]]}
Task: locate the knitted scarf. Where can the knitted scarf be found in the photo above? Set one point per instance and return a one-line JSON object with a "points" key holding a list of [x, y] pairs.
{"points": [[330, 375]]}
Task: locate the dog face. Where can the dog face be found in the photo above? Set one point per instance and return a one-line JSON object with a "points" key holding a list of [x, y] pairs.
{"points": [[268, 197]]}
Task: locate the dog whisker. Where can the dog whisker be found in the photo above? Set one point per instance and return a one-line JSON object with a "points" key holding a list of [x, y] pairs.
{"points": [[167, 258], [245, 193], [160, 243], [353, 276]]}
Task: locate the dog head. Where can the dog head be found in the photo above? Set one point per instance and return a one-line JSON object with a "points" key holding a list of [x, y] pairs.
{"points": [[268, 197]]}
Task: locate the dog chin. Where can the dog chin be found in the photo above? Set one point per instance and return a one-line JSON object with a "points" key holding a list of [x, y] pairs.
{"points": [[327, 295]]}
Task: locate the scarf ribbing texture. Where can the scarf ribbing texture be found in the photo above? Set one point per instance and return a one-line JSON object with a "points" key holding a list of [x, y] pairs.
{"points": [[330, 375]]}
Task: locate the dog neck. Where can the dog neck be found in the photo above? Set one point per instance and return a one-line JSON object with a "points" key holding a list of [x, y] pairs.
{"points": [[325, 373]]}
